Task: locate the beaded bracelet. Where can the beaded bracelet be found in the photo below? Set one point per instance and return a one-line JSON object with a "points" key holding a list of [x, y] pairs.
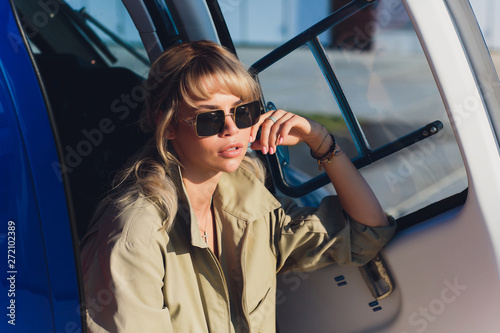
{"points": [[327, 158]]}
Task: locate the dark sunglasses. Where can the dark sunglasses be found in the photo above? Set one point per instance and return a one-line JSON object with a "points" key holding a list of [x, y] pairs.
{"points": [[212, 122]]}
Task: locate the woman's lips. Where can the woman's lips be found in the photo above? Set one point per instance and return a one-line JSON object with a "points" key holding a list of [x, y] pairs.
{"points": [[232, 150]]}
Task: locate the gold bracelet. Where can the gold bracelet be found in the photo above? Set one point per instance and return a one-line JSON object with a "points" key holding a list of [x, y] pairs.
{"points": [[327, 159]]}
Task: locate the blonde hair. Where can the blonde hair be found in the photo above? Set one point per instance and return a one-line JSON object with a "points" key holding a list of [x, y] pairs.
{"points": [[185, 73]]}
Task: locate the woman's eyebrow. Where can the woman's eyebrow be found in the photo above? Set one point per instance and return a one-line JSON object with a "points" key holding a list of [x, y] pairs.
{"points": [[216, 107], [207, 107]]}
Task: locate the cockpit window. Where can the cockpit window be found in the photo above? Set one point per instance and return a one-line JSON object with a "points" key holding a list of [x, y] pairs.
{"points": [[363, 74], [98, 33], [91, 63]]}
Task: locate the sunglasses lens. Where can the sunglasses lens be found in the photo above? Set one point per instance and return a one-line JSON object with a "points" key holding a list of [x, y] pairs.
{"points": [[247, 115], [210, 123]]}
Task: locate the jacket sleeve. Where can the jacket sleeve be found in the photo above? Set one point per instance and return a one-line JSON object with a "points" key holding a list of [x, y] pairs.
{"points": [[123, 280], [309, 238]]}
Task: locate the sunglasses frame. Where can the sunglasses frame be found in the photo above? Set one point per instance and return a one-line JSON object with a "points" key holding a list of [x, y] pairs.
{"points": [[232, 113]]}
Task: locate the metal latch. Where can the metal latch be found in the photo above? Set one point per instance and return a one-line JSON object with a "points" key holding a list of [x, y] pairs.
{"points": [[378, 277]]}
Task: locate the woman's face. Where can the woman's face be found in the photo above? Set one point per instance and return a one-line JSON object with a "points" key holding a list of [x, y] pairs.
{"points": [[205, 157]]}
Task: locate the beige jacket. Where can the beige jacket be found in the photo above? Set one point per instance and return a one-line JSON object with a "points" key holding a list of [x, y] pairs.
{"points": [[140, 279]]}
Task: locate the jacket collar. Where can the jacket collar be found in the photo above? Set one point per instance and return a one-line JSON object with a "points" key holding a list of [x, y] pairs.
{"points": [[244, 196], [239, 194]]}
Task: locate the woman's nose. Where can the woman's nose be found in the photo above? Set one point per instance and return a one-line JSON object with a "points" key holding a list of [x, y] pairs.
{"points": [[230, 127]]}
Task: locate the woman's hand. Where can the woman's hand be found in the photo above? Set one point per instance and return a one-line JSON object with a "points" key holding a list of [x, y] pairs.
{"points": [[284, 128]]}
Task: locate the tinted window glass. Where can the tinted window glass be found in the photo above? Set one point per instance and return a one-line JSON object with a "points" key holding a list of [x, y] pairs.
{"points": [[91, 64], [382, 70]]}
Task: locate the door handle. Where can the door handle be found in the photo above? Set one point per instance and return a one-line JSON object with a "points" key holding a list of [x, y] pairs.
{"points": [[377, 277]]}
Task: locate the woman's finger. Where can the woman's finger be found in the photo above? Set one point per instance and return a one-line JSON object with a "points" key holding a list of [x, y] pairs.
{"points": [[277, 128], [276, 133], [255, 128], [269, 129]]}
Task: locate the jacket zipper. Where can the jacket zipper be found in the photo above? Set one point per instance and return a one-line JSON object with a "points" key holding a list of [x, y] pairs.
{"points": [[221, 274]]}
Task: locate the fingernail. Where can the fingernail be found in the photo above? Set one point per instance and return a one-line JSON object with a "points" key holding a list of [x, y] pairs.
{"points": [[264, 150], [280, 141], [271, 150], [251, 138]]}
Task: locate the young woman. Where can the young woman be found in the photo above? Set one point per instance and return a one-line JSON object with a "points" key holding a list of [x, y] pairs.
{"points": [[190, 240]]}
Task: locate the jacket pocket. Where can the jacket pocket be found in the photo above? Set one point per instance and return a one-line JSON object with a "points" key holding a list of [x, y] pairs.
{"points": [[260, 303], [262, 313]]}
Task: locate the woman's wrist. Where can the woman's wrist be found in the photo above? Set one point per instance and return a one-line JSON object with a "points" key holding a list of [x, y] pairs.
{"points": [[319, 142], [328, 143], [327, 157]]}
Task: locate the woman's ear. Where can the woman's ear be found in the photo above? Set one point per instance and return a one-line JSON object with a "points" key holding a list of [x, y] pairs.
{"points": [[170, 133]]}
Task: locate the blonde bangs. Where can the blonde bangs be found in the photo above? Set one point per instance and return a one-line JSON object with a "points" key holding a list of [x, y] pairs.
{"points": [[215, 77]]}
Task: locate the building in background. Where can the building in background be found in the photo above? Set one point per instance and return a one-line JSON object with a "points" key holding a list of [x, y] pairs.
{"points": [[283, 19]]}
